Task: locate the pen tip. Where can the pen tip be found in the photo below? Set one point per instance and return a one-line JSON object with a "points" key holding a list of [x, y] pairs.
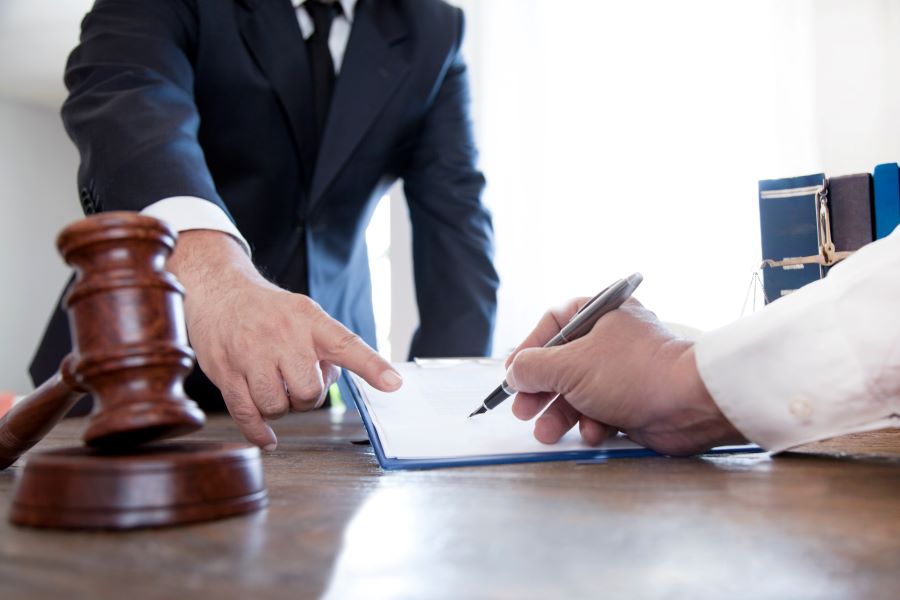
{"points": [[477, 411]]}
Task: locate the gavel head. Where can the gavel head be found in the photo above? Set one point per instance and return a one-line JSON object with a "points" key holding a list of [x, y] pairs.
{"points": [[129, 340]]}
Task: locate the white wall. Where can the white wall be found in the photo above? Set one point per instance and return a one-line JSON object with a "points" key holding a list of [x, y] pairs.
{"points": [[37, 198], [619, 137], [404, 311], [857, 107]]}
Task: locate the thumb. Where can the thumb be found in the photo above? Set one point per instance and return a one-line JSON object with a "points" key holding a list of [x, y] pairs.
{"points": [[537, 370]]}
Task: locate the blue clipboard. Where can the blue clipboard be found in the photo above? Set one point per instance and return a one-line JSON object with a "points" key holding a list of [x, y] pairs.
{"points": [[588, 456]]}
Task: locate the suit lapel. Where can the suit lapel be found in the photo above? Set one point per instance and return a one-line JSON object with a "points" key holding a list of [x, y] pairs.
{"points": [[271, 31], [373, 67]]}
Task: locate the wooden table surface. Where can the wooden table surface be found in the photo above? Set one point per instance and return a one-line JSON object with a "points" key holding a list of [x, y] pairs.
{"points": [[796, 526]]}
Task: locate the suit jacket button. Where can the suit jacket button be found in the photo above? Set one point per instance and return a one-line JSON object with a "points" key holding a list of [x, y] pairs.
{"points": [[86, 203]]}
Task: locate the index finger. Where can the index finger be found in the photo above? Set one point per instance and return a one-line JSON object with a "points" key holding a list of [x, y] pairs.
{"points": [[549, 325], [340, 346]]}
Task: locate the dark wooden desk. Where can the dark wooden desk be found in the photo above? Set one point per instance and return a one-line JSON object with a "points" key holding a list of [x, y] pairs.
{"points": [[799, 526]]}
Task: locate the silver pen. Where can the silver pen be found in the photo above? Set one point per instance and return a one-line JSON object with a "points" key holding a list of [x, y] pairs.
{"points": [[581, 322]]}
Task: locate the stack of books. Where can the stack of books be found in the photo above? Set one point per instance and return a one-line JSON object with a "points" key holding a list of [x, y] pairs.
{"points": [[809, 223]]}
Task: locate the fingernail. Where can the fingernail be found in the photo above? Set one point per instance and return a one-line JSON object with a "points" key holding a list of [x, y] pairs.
{"points": [[510, 379], [270, 447], [391, 379]]}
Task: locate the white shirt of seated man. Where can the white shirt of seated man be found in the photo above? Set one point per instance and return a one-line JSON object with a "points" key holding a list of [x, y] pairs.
{"points": [[820, 362]]}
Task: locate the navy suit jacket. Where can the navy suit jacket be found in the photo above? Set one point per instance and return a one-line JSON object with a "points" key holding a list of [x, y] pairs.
{"points": [[212, 98]]}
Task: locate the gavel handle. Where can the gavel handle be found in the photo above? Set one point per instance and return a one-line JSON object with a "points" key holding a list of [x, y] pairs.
{"points": [[31, 419]]}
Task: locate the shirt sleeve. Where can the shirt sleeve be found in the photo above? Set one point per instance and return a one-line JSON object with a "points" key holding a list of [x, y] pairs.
{"points": [[184, 213], [821, 362]]}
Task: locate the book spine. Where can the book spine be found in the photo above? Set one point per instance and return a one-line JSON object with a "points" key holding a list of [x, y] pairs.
{"points": [[850, 203], [788, 228], [887, 199]]}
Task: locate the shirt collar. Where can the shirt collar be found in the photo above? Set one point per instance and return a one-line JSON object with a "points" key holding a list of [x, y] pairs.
{"points": [[347, 6]]}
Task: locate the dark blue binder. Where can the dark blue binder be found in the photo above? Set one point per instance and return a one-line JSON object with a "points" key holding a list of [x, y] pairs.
{"points": [[788, 228], [887, 199], [392, 463]]}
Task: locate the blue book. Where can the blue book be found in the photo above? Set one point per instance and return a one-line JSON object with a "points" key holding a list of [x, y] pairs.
{"points": [[425, 424], [788, 229], [887, 199]]}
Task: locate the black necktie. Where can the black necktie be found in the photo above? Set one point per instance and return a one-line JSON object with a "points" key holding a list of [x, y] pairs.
{"points": [[321, 65], [294, 275]]}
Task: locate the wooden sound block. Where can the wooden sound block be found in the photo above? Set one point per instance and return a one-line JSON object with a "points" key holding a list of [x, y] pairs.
{"points": [[152, 486]]}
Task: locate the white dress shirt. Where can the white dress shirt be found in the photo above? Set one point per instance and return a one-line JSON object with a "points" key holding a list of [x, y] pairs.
{"points": [[184, 213], [820, 362]]}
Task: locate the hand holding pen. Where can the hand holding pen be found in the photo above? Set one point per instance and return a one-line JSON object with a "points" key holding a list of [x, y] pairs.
{"points": [[580, 324], [629, 373]]}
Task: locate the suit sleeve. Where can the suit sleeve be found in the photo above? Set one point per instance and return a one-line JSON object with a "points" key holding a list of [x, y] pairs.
{"points": [[131, 109], [456, 283]]}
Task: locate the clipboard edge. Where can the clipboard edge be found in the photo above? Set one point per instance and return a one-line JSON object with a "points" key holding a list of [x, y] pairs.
{"points": [[403, 464]]}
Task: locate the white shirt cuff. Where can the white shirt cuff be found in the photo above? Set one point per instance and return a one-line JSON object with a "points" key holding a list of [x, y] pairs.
{"points": [[185, 213], [821, 362]]}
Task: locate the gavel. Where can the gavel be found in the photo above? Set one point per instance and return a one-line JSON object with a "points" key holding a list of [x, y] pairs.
{"points": [[130, 352]]}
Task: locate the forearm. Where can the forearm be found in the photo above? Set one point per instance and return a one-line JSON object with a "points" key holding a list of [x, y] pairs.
{"points": [[456, 282], [456, 291]]}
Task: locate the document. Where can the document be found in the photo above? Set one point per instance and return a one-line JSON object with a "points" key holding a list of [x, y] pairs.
{"points": [[428, 417], [426, 424]]}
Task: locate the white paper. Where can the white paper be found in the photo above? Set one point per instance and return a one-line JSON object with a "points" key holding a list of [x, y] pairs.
{"points": [[428, 417]]}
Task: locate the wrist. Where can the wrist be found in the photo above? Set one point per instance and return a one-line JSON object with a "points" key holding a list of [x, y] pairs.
{"points": [[207, 257], [712, 427], [210, 265]]}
